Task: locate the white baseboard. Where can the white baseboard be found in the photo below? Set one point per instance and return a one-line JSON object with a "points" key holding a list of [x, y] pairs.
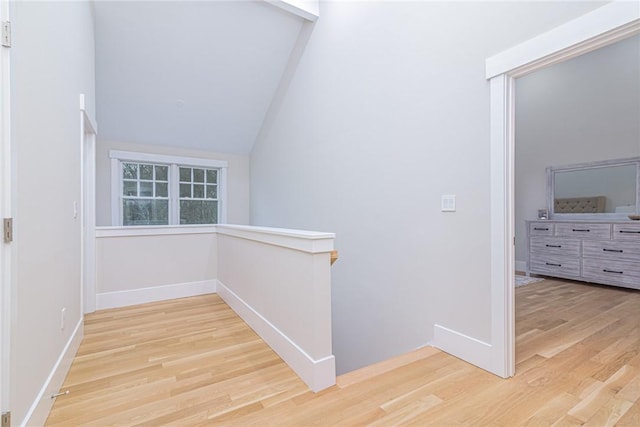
{"points": [[39, 411], [521, 266], [317, 374], [469, 349], [154, 293]]}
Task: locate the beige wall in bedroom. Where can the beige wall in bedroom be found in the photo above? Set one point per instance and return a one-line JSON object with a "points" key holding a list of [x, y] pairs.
{"points": [[237, 177], [582, 110]]}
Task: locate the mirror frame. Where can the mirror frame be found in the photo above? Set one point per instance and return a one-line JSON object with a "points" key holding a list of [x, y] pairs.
{"points": [[551, 171]]}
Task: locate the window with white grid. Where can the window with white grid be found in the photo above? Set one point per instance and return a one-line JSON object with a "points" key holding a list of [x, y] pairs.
{"points": [[198, 195], [145, 194], [150, 189]]}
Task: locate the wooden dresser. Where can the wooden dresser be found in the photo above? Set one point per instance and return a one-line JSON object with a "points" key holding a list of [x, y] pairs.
{"points": [[599, 252]]}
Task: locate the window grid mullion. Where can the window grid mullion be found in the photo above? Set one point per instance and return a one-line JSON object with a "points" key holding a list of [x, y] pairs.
{"points": [[174, 199]]}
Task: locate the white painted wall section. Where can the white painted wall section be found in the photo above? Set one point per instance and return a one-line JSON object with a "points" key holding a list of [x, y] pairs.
{"points": [[279, 282], [387, 111], [52, 63], [136, 265]]}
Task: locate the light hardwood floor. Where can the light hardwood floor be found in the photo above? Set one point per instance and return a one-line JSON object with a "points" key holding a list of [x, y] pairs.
{"points": [[194, 362]]}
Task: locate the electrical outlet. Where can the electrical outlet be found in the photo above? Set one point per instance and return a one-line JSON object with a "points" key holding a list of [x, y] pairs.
{"points": [[63, 315]]}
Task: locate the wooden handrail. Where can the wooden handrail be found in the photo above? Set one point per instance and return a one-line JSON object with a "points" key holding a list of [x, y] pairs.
{"points": [[334, 256]]}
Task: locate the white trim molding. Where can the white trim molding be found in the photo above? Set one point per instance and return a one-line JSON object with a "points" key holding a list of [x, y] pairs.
{"points": [[90, 126], [306, 9], [317, 374], [39, 411], [605, 25], [135, 156], [305, 241], [502, 230], [88, 208], [154, 230], [154, 293], [464, 347], [7, 193]]}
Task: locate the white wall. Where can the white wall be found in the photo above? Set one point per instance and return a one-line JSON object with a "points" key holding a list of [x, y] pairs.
{"points": [[136, 265], [52, 64], [389, 110], [582, 110], [207, 86], [237, 177], [279, 282]]}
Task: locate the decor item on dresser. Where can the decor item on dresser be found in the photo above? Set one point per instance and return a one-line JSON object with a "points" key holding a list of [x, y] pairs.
{"points": [[596, 251]]}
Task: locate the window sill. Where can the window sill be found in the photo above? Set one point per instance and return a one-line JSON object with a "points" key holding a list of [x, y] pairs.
{"points": [[154, 230]]}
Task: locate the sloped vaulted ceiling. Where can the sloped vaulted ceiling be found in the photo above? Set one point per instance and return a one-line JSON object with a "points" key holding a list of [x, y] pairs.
{"points": [[189, 74]]}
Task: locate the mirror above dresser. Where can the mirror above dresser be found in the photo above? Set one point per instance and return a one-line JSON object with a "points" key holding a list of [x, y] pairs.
{"points": [[604, 190]]}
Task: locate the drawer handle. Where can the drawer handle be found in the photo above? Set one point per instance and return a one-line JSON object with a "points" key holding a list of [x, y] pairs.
{"points": [[554, 265], [553, 246], [542, 229], [586, 230], [613, 250], [630, 232], [612, 271]]}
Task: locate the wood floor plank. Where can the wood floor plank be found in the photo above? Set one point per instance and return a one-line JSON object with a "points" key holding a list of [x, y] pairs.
{"points": [[631, 418], [553, 410], [609, 413], [193, 362]]}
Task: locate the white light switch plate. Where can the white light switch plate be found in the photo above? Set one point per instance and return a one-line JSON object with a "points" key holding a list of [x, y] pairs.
{"points": [[448, 203]]}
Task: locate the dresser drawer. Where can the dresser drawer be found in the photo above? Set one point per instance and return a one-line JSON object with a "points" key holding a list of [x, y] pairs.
{"points": [[540, 229], [554, 266], [583, 230], [629, 232], [621, 273], [611, 250], [554, 246]]}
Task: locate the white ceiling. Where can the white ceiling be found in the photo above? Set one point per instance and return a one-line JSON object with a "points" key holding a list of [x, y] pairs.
{"points": [[189, 74]]}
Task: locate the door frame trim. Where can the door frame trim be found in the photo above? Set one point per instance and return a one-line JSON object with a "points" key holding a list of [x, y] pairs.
{"points": [[88, 132], [7, 194], [608, 24]]}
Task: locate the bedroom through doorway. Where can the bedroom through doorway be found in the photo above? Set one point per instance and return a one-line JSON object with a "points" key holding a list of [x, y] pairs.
{"points": [[577, 111]]}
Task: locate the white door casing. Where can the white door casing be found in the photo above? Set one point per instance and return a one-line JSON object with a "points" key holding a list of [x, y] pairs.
{"points": [[603, 26], [88, 131], [6, 209]]}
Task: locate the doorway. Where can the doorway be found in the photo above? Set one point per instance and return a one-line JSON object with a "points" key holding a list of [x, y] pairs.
{"points": [[603, 26]]}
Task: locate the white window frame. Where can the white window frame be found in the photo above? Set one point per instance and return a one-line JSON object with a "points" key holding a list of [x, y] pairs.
{"points": [[174, 162]]}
